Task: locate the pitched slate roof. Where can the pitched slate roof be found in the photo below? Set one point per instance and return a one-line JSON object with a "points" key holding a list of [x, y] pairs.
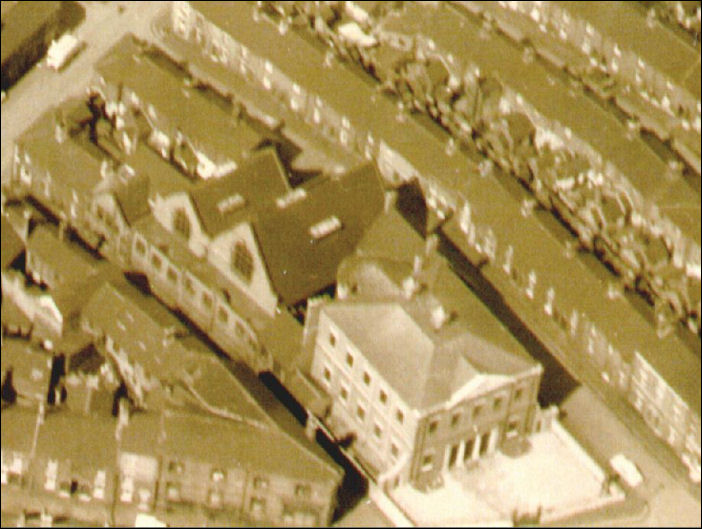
{"points": [[68, 262], [87, 441], [138, 323], [21, 22], [31, 368], [181, 434], [17, 431], [158, 83], [12, 245], [132, 195], [299, 264], [259, 178], [424, 366], [61, 159]]}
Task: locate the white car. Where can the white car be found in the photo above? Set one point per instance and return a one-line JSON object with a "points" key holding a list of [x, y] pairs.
{"points": [[627, 470], [62, 51]]}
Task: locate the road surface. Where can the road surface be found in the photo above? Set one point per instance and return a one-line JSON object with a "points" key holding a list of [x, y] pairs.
{"points": [[670, 503]]}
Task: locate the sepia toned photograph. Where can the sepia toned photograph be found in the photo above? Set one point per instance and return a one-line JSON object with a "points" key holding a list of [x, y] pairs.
{"points": [[351, 264]]}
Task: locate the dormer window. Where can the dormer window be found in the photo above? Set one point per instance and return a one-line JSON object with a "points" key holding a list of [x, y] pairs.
{"points": [[242, 261], [181, 223]]}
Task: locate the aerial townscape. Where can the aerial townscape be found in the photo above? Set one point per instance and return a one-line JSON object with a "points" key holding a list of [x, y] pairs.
{"points": [[373, 264]]}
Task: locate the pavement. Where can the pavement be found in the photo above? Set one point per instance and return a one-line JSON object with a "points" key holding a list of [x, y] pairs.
{"points": [[555, 477]]}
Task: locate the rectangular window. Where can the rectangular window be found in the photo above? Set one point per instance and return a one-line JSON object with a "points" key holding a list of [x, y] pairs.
{"points": [[189, 286], [455, 419], [207, 300], [394, 451], [497, 403], [366, 378], [303, 491], [383, 397], [258, 505], [344, 393], [349, 359], [432, 427], [172, 275], [156, 261], [427, 461], [477, 411], [399, 416], [140, 247], [222, 315], [173, 491], [327, 374], [260, 483], [332, 339], [377, 431], [468, 449], [518, 393], [175, 467], [361, 412]]}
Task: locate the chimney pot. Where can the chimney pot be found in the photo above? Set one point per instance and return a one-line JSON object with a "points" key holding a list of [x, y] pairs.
{"points": [[418, 264], [431, 244], [409, 287], [439, 316]]}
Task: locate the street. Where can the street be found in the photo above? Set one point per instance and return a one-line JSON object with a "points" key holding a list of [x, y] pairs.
{"points": [[603, 434]]}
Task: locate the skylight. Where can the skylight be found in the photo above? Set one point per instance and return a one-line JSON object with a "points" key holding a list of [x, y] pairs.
{"points": [[325, 227], [290, 198], [231, 203]]}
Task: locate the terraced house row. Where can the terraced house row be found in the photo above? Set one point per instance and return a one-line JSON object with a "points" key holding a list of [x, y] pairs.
{"points": [[565, 294], [618, 195], [71, 446]]}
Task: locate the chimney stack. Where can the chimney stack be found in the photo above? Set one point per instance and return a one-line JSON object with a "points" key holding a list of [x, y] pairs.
{"points": [[122, 418], [431, 244], [410, 286], [417, 265], [390, 201], [60, 126]]}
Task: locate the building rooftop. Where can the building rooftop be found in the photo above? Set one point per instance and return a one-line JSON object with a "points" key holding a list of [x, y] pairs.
{"points": [[161, 84], [69, 263], [18, 426], [654, 43], [60, 159], [460, 38], [180, 434], [386, 256], [557, 266], [86, 441], [304, 240], [12, 244], [21, 20], [221, 202], [425, 366], [31, 368]]}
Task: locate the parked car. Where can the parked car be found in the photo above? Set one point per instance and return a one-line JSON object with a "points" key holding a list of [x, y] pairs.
{"points": [[62, 51]]}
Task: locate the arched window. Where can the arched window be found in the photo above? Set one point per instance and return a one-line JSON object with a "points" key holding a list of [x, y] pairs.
{"points": [[242, 261], [181, 223]]}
